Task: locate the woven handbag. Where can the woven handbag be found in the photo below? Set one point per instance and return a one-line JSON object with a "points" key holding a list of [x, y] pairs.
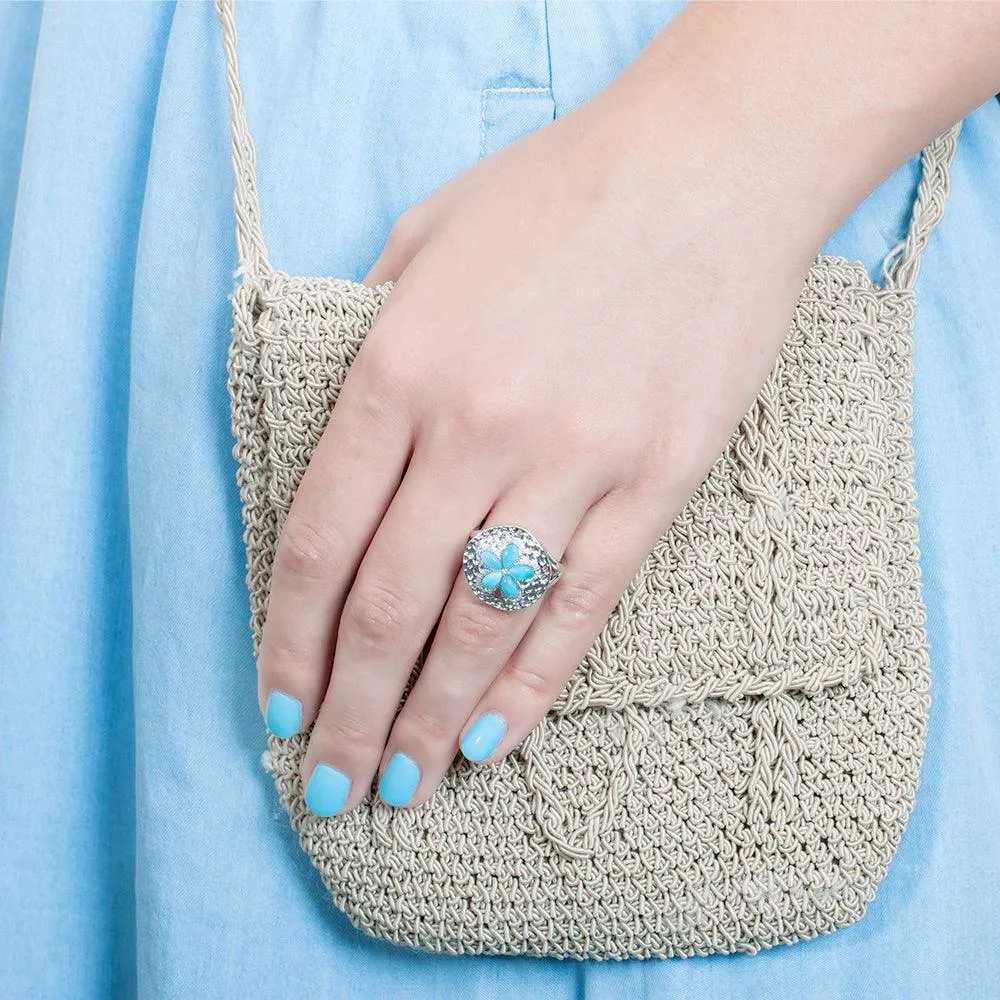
{"points": [[733, 763]]}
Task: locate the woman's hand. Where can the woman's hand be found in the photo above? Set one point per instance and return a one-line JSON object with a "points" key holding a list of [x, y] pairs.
{"points": [[579, 321], [578, 324]]}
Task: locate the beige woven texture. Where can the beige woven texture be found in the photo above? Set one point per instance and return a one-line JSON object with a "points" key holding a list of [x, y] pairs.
{"points": [[734, 762]]}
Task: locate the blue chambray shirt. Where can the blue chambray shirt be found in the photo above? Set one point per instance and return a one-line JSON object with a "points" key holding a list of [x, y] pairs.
{"points": [[142, 848]]}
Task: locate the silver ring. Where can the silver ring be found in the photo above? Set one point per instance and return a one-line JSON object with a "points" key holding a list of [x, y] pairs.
{"points": [[508, 567]]}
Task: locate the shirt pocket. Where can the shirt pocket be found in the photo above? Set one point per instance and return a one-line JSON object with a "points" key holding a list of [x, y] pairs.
{"points": [[507, 113]]}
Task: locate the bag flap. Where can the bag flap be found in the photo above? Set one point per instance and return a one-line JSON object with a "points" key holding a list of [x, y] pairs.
{"points": [[796, 561], [788, 568]]}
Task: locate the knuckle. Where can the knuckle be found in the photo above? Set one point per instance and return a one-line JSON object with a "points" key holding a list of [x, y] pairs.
{"points": [[479, 422], [306, 549], [476, 629], [379, 617], [577, 600], [349, 733], [676, 461], [279, 648], [388, 376], [535, 685], [577, 437], [649, 477], [429, 727]]}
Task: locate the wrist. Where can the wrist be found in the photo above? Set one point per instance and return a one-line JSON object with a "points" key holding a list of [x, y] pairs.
{"points": [[791, 114]]}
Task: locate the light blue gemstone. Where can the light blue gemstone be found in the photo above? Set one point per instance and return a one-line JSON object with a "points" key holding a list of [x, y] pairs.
{"points": [[522, 571], [484, 736], [492, 580], [399, 780], [511, 554], [327, 790], [509, 587], [489, 559], [283, 714]]}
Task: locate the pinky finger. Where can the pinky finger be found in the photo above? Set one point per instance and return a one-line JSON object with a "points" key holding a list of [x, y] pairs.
{"points": [[603, 556]]}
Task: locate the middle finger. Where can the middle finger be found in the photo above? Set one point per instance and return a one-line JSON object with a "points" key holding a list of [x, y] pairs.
{"points": [[396, 597], [474, 640]]}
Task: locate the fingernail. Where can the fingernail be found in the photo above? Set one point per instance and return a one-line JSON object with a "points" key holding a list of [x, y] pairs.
{"points": [[283, 714], [399, 780], [327, 790], [484, 736]]}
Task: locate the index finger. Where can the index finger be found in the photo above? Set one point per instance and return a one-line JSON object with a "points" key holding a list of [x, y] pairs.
{"points": [[349, 483]]}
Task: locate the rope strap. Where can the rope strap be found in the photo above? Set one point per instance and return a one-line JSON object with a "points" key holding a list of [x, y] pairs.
{"points": [[254, 264], [900, 267], [902, 264]]}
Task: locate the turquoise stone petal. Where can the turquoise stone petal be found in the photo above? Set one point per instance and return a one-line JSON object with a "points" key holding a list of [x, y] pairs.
{"points": [[489, 559], [522, 571], [491, 580], [511, 554], [509, 586]]}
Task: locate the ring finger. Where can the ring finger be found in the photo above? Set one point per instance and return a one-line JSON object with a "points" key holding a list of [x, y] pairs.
{"points": [[613, 539], [472, 643]]}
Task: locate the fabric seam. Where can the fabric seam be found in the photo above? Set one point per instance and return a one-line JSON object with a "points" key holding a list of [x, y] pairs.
{"points": [[490, 92]]}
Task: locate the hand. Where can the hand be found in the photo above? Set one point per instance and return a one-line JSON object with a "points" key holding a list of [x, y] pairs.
{"points": [[579, 322]]}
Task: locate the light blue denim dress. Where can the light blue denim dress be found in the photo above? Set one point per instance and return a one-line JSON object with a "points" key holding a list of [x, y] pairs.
{"points": [[142, 848]]}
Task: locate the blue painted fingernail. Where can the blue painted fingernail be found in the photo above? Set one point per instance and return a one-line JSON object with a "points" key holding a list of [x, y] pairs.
{"points": [[283, 714], [327, 790], [399, 780], [484, 736]]}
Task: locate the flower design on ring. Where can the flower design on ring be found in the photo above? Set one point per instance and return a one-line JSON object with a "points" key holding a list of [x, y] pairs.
{"points": [[505, 571]]}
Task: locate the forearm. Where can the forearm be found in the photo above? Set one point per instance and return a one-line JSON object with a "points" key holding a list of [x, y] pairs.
{"points": [[805, 106]]}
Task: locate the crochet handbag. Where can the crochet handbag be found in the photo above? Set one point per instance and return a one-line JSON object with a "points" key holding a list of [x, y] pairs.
{"points": [[733, 763]]}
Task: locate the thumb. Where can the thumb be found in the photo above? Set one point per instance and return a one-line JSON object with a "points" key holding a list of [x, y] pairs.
{"points": [[406, 237]]}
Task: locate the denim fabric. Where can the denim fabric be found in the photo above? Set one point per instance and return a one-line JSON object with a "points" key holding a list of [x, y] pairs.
{"points": [[143, 849]]}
